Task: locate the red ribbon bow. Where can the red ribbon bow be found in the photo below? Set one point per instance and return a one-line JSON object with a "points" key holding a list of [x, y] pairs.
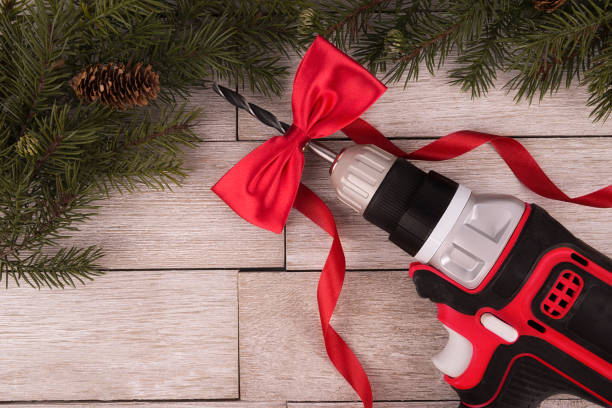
{"points": [[330, 92], [262, 187]]}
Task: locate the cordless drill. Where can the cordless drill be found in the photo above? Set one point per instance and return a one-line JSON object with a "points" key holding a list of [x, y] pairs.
{"points": [[527, 306]]}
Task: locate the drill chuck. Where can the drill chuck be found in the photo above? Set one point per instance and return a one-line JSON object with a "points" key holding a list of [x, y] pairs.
{"points": [[392, 193]]}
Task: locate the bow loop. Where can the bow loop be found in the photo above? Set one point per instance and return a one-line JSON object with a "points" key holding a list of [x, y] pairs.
{"points": [[330, 90]]}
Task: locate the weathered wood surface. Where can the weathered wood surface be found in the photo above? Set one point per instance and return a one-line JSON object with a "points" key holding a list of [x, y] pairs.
{"points": [[154, 404], [218, 121], [189, 227], [393, 332], [127, 335], [550, 403], [432, 107], [577, 165], [178, 334]]}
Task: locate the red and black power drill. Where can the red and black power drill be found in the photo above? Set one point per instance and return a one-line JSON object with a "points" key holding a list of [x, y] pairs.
{"points": [[528, 306]]}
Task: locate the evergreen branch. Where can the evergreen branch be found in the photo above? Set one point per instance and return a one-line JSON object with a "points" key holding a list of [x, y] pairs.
{"points": [[563, 46], [58, 156], [41, 82], [30, 115], [57, 209], [480, 58], [50, 150], [416, 52], [145, 139], [599, 81], [437, 45], [359, 11], [542, 48], [60, 270]]}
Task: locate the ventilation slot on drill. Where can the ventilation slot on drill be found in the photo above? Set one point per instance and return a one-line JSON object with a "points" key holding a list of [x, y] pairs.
{"points": [[562, 295]]}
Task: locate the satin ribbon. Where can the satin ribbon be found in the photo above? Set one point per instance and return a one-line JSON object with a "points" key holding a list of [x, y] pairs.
{"points": [[455, 144], [330, 92]]}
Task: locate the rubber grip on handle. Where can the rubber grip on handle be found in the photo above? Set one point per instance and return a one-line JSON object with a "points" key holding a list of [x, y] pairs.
{"points": [[530, 382]]}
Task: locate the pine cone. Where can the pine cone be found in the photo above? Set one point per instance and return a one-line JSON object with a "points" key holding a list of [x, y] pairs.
{"points": [[394, 43], [116, 85], [306, 21], [27, 146], [548, 5]]}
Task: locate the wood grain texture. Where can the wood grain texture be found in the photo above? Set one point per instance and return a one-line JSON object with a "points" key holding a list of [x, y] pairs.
{"points": [[577, 165], [550, 403], [392, 331], [189, 227], [432, 107], [218, 120], [127, 335], [164, 404]]}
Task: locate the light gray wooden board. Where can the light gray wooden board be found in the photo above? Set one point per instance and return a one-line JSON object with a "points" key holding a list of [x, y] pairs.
{"points": [[577, 165], [218, 121], [432, 107], [392, 331], [127, 335], [154, 404], [550, 403], [189, 227]]}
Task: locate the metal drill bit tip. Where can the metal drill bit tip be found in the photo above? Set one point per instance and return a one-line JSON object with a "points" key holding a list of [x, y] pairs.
{"points": [[268, 118], [239, 101]]}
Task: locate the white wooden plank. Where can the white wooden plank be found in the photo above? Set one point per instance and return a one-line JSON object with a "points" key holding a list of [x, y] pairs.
{"points": [[432, 107], [393, 332], [577, 165], [189, 227], [218, 121], [550, 403], [419, 404], [199, 404], [127, 335]]}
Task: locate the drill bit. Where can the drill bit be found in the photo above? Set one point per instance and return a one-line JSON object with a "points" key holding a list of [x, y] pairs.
{"points": [[268, 118], [239, 101]]}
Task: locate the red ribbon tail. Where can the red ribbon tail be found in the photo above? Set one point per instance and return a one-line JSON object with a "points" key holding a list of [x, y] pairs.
{"points": [[453, 145], [328, 292]]}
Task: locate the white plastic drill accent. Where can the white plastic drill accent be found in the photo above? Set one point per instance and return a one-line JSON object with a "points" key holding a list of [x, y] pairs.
{"points": [[358, 172], [446, 223], [477, 238], [499, 327], [455, 358]]}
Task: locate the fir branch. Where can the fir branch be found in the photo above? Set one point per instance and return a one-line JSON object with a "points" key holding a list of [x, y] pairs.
{"points": [[177, 128], [542, 49], [481, 58], [58, 156], [416, 52], [57, 210], [57, 139], [563, 46], [62, 269], [599, 82], [353, 18], [45, 65]]}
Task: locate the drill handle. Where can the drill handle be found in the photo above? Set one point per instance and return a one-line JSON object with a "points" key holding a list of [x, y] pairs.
{"points": [[541, 325]]}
